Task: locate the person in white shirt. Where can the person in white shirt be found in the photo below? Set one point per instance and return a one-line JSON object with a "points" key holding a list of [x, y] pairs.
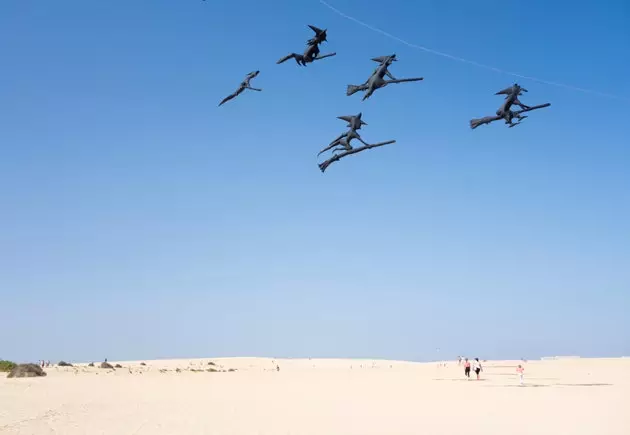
{"points": [[520, 371], [477, 367]]}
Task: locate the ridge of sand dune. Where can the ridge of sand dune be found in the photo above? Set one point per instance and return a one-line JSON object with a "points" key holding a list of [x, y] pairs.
{"points": [[317, 396]]}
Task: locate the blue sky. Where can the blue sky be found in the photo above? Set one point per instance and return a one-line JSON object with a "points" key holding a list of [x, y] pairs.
{"points": [[139, 220]]}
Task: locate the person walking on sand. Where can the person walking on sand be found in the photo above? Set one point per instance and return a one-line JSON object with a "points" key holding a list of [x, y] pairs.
{"points": [[477, 367], [467, 368], [520, 371]]}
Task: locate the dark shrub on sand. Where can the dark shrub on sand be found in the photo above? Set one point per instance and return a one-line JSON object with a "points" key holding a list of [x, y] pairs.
{"points": [[26, 371], [118, 366], [64, 364], [6, 366], [211, 363], [91, 365], [106, 365], [231, 370], [143, 364]]}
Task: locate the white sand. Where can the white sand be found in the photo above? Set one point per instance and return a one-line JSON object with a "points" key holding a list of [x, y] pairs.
{"points": [[321, 397]]}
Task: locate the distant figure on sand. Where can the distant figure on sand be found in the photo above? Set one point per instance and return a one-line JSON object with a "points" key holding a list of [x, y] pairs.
{"points": [[477, 367], [520, 371], [467, 368]]}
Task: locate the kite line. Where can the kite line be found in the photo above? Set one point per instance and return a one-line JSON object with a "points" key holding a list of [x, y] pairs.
{"points": [[470, 62]]}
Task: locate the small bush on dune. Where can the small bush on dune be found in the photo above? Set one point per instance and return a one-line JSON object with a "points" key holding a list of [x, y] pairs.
{"points": [[212, 370], [106, 365], [6, 366], [143, 364], [26, 371], [91, 365], [64, 364], [118, 366], [211, 363]]}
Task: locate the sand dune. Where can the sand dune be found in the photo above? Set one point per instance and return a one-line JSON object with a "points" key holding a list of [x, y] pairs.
{"points": [[572, 396]]}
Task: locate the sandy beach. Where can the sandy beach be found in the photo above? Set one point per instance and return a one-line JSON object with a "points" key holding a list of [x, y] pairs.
{"points": [[573, 396]]}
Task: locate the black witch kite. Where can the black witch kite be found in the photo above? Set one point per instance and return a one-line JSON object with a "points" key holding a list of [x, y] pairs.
{"points": [[377, 79], [342, 143], [311, 53], [244, 85], [505, 112]]}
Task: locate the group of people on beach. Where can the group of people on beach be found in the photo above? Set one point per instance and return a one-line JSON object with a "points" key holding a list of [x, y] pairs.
{"points": [[475, 365], [43, 363]]}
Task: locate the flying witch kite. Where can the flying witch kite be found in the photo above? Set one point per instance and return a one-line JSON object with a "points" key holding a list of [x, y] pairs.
{"points": [[505, 112], [377, 79], [341, 146], [244, 85], [311, 53]]}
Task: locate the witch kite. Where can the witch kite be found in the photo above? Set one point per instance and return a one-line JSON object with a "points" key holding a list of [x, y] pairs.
{"points": [[377, 79], [244, 85], [341, 146], [311, 53], [505, 112]]}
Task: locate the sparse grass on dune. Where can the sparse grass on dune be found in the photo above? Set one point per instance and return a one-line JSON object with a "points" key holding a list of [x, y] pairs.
{"points": [[26, 371]]}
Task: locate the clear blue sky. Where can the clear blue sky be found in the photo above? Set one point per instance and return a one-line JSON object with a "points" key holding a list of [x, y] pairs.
{"points": [[139, 220]]}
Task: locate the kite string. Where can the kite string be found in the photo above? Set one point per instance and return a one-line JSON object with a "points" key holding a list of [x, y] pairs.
{"points": [[470, 62]]}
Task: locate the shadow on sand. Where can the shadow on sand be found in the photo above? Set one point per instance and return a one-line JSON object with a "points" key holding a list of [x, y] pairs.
{"points": [[459, 379], [584, 385], [520, 386]]}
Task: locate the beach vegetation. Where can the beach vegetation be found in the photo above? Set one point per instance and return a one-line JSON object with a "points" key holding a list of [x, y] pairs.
{"points": [[6, 366]]}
